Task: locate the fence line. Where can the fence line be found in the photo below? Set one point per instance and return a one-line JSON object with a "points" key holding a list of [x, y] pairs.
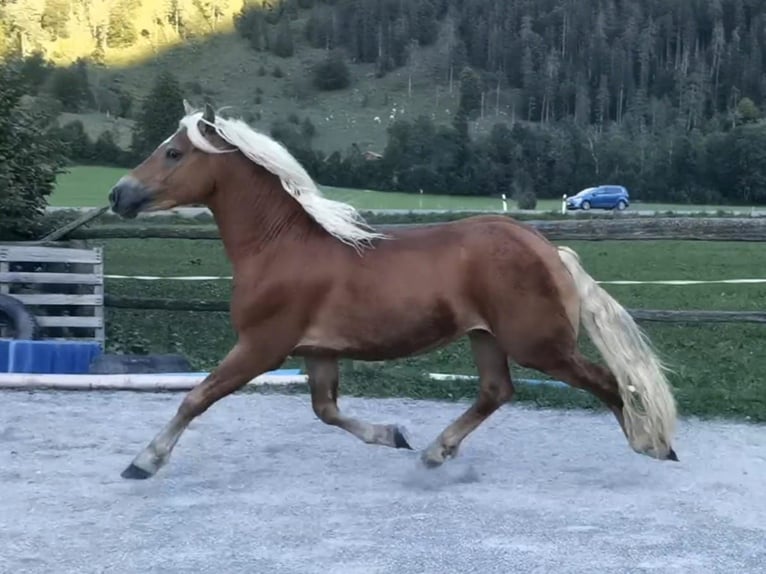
{"points": [[600, 229], [654, 228]]}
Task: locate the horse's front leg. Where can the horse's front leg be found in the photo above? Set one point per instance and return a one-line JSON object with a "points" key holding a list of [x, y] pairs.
{"points": [[248, 359], [323, 381]]}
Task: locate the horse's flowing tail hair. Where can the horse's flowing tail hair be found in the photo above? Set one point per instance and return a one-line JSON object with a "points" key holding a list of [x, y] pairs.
{"points": [[649, 410]]}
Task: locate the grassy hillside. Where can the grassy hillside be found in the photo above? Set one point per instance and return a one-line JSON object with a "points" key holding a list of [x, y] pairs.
{"points": [[225, 69], [222, 66]]}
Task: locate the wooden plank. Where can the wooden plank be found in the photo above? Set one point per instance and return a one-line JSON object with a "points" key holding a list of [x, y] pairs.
{"points": [[53, 278], [79, 222], [59, 299], [671, 316], [69, 321], [597, 229], [4, 287], [100, 334], [39, 254], [70, 339], [663, 316], [147, 232], [136, 303], [655, 228], [5, 329]]}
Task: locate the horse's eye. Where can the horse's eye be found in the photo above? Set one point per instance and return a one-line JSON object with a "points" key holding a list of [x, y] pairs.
{"points": [[173, 153]]}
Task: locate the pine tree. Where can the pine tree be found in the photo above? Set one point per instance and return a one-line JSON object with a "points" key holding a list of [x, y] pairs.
{"points": [[284, 46], [159, 115], [470, 93], [5, 40], [71, 87], [121, 32]]}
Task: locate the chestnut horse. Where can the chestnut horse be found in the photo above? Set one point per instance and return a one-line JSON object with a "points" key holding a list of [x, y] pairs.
{"points": [[312, 280]]}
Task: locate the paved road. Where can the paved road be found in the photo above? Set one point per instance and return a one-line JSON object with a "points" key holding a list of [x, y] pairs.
{"points": [[257, 485]]}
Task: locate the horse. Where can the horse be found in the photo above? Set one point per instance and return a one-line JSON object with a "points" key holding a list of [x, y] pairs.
{"points": [[313, 280]]}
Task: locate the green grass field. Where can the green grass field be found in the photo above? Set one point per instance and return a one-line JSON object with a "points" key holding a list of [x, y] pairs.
{"points": [[718, 369], [88, 186]]}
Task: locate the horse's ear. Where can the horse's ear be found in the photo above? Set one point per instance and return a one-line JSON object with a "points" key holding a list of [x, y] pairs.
{"points": [[208, 119], [188, 109]]}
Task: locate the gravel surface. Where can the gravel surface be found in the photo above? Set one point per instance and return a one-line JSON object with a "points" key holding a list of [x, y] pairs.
{"points": [[258, 485]]}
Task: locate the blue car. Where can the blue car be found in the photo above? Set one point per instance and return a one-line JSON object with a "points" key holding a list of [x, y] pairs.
{"points": [[601, 197]]}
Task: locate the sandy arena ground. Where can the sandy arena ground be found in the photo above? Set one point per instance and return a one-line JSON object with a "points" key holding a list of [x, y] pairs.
{"points": [[259, 485]]}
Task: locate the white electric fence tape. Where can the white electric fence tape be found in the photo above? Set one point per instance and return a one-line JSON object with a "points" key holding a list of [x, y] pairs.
{"points": [[616, 282]]}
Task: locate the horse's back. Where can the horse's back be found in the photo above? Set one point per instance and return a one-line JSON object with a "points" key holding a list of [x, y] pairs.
{"points": [[497, 268], [480, 238], [427, 285]]}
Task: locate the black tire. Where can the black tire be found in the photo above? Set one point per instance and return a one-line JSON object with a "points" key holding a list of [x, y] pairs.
{"points": [[21, 320], [621, 205], [586, 205]]}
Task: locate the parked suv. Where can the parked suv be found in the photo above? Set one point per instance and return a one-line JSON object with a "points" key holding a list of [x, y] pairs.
{"points": [[601, 197]]}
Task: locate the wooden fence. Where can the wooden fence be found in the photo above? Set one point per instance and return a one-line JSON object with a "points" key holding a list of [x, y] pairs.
{"points": [[597, 229], [63, 287]]}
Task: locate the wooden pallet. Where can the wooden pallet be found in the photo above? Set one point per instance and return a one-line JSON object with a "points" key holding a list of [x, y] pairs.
{"points": [[63, 287]]}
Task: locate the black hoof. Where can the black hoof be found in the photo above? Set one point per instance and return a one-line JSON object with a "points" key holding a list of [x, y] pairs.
{"points": [[135, 473], [672, 455], [430, 464], [400, 441]]}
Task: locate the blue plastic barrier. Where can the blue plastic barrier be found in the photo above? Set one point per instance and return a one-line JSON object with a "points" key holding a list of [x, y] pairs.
{"points": [[63, 358], [52, 357]]}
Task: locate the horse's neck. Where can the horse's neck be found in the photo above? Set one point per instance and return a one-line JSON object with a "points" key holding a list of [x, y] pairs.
{"points": [[253, 212]]}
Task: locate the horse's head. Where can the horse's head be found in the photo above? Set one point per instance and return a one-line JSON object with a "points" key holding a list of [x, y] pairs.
{"points": [[176, 173]]}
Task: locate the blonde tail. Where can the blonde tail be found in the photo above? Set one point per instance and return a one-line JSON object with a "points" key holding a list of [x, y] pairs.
{"points": [[649, 409]]}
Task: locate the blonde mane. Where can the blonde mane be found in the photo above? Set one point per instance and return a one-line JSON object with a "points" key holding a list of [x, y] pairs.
{"points": [[339, 219]]}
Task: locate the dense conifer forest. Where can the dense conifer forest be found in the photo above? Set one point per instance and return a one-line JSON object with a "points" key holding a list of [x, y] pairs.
{"points": [[664, 97]]}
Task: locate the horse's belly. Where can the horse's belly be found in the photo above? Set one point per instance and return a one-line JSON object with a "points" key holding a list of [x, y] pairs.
{"points": [[387, 334], [377, 350]]}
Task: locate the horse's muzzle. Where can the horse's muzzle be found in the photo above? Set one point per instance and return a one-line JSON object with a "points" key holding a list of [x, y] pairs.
{"points": [[128, 197]]}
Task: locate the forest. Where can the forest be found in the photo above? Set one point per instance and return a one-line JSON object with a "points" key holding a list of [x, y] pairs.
{"points": [[664, 97]]}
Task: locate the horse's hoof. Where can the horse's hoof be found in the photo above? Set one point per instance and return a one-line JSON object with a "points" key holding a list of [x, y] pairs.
{"points": [[429, 462], [135, 473], [672, 455], [437, 454], [400, 440]]}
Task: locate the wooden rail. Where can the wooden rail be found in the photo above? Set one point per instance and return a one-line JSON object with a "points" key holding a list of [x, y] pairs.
{"points": [[644, 228], [649, 315]]}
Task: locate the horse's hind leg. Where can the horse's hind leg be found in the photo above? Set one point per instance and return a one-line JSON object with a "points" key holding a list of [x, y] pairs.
{"points": [[323, 381], [579, 372], [582, 373], [495, 389]]}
